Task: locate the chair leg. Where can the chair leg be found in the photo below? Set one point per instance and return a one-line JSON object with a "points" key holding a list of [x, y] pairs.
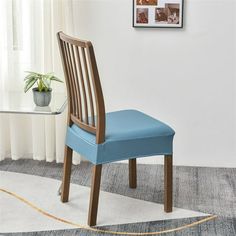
{"points": [[168, 185], [94, 195], [132, 173], [66, 175]]}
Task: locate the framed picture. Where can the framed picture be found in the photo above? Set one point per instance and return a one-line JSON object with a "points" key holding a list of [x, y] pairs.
{"points": [[158, 13]]}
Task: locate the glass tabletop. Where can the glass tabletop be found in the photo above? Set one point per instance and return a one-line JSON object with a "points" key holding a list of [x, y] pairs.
{"points": [[22, 103]]}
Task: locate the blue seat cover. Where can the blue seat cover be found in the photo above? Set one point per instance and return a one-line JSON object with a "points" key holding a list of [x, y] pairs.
{"points": [[129, 134]]}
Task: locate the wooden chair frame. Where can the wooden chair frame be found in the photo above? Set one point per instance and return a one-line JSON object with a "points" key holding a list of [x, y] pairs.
{"points": [[83, 88]]}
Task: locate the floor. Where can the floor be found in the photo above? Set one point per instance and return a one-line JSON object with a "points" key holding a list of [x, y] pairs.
{"points": [[209, 190]]}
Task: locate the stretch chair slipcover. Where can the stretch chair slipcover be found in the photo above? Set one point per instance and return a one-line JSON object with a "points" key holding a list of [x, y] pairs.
{"points": [[103, 137], [129, 134]]}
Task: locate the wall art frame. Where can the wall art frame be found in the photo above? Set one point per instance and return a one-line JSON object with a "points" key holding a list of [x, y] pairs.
{"points": [[158, 13]]}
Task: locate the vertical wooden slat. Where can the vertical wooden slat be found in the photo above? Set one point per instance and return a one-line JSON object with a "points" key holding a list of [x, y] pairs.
{"points": [[75, 97], [75, 90], [88, 86], [70, 89], [76, 83], [71, 78], [82, 85]]}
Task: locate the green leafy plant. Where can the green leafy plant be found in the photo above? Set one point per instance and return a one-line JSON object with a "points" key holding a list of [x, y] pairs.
{"points": [[43, 81]]}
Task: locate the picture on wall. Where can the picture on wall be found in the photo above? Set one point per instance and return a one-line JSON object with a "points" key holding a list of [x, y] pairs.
{"points": [[158, 13]]}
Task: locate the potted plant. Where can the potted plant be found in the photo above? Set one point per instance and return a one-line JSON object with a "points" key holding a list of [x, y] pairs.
{"points": [[41, 93]]}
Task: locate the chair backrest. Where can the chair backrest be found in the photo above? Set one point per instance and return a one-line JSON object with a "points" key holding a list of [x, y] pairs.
{"points": [[85, 99]]}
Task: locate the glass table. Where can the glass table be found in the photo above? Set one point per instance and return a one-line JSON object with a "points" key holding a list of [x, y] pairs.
{"points": [[22, 103]]}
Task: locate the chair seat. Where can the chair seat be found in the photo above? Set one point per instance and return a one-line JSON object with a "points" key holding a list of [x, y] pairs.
{"points": [[129, 134]]}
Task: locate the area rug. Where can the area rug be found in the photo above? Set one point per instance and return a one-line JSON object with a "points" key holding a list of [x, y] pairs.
{"points": [[194, 198], [32, 202]]}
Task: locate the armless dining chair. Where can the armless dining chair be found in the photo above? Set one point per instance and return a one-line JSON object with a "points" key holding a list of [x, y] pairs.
{"points": [[103, 137]]}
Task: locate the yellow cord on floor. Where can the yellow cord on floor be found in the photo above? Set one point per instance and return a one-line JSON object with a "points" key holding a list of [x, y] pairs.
{"points": [[101, 230]]}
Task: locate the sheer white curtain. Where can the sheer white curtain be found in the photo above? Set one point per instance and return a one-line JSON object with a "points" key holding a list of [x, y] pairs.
{"points": [[28, 42]]}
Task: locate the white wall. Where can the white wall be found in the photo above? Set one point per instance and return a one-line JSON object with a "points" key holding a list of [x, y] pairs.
{"points": [[184, 77]]}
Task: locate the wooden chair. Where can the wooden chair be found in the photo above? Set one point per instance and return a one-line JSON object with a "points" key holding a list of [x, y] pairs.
{"points": [[106, 137]]}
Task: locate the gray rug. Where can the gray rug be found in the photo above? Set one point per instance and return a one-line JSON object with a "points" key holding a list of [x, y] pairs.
{"points": [[210, 190]]}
